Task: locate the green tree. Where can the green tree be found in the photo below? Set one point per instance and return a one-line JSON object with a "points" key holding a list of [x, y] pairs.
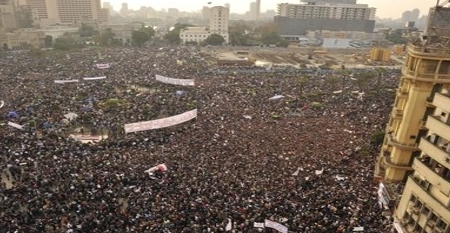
{"points": [[86, 31], [377, 138], [105, 37], [241, 34], [214, 39], [269, 35], [173, 36], [141, 36], [48, 41], [66, 42], [396, 37]]}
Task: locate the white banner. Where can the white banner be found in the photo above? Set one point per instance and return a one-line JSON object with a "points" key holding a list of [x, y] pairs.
{"points": [[160, 123], [258, 224], [103, 66], [175, 81], [275, 97], [276, 226], [67, 81], [94, 78], [2, 103], [14, 125]]}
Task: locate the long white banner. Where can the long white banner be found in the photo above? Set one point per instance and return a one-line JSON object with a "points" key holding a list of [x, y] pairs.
{"points": [[67, 81], [277, 226], [102, 66], [14, 125], [175, 81], [160, 123], [94, 78]]}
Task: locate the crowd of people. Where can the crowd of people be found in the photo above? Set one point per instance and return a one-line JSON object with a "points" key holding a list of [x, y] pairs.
{"points": [[303, 160]]}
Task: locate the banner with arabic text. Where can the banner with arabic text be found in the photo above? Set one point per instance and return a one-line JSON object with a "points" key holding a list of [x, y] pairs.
{"points": [[160, 123], [175, 81], [277, 226]]}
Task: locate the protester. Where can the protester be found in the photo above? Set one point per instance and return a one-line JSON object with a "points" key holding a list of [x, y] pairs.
{"points": [[235, 161]]}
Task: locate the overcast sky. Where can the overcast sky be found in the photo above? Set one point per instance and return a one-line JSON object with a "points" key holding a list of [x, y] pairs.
{"points": [[385, 8]]}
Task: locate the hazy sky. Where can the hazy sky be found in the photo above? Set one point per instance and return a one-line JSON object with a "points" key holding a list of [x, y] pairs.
{"points": [[385, 8]]}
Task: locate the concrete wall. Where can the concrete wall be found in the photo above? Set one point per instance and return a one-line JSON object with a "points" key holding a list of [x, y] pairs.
{"points": [[289, 26]]}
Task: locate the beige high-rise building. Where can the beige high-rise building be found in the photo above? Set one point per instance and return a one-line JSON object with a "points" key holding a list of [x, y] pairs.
{"points": [[8, 21], [416, 150], [218, 21], [52, 12], [46, 10], [255, 9]]}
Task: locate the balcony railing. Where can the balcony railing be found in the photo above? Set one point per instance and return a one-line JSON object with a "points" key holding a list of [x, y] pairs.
{"points": [[437, 126], [429, 51], [387, 162], [432, 176], [439, 154], [404, 146], [442, 101], [425, 77], [422, 192]]}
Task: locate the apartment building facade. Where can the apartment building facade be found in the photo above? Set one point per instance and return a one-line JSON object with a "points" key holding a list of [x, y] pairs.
{"points": [[218, 24], [416, 149], [340, 15], [51, 12]]}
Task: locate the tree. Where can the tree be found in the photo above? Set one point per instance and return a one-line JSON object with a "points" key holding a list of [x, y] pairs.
{"points": [[396, 37], [86, 31], [269, 35], [48, 41], [105, 37], [214, 39], [66, 42], [173, 36], [240, 34], [141, 36]]}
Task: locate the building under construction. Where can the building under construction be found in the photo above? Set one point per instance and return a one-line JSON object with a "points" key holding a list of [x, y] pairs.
{"points": [[414, 162]]}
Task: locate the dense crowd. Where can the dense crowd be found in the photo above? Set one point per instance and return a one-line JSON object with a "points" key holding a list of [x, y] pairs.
{"points": [[304, 160]]}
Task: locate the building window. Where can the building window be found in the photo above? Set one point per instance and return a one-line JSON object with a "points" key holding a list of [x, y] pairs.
{"points": [[425, 211], [441, 224]]}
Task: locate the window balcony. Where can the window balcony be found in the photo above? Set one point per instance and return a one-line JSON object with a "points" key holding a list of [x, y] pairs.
{"points": [[425, 77], [432, 176], [442, 101], [404, 146], [421, 192], [397, 114], [438, 127], [439, 154], [402, 92], [387, 162]]}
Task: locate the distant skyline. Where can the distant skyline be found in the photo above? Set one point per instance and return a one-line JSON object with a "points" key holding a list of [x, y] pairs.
{"points": [[385, 8]]}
